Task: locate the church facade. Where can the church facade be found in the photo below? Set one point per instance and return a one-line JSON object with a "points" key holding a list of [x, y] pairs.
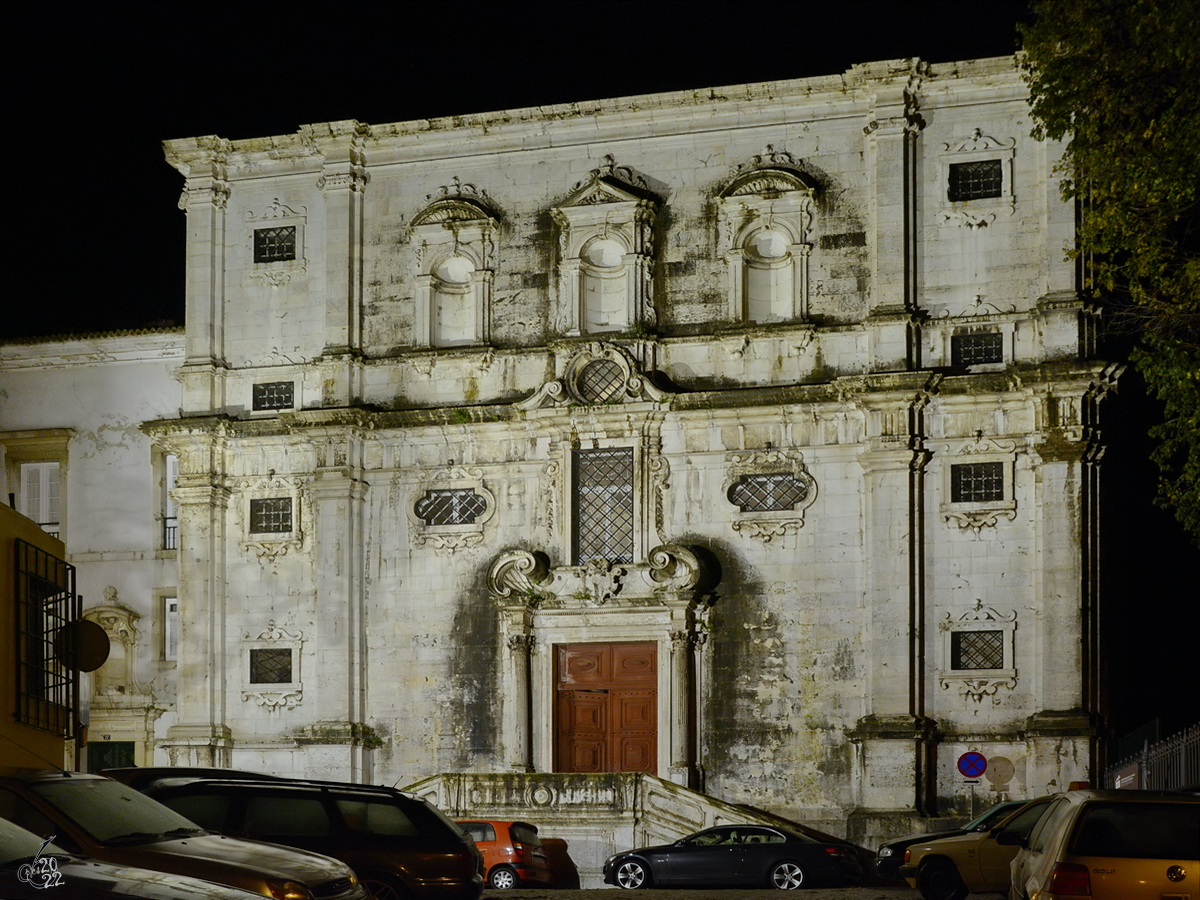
{"points": [[743, 437]]}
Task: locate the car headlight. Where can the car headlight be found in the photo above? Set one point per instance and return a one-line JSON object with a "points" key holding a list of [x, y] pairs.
{"points": [[886, 851], [608, 862], [289, 890]]}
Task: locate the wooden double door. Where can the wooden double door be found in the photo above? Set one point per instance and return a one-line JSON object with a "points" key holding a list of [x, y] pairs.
{"points": [[606, 715]]}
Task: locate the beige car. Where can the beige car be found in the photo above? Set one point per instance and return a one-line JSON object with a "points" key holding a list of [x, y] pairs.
{"points": [[1111, 845], [950, 868]]}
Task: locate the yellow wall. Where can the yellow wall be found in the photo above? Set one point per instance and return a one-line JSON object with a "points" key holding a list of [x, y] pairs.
{"points": [[21, 745]]}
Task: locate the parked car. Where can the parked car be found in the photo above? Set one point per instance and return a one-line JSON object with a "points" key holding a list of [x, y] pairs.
{"points": [[398, 844], [1110, 845], [891, 853], [512, 853], [31, 866], [97, 817], [950, 868], [748, 855]]}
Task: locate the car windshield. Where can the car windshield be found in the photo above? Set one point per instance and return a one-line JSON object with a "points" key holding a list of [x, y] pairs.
{"points": [[110, 811], [18, 845], [991, 817]]}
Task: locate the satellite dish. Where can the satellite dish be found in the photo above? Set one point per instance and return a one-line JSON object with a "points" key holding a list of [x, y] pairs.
{"points": [[81, 645]]}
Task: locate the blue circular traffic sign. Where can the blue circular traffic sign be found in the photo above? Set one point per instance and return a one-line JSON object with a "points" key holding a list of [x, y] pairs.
{"points": [[972, 764]]}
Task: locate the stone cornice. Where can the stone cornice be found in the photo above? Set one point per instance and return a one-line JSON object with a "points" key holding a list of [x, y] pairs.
{"points": [[55, 352]]}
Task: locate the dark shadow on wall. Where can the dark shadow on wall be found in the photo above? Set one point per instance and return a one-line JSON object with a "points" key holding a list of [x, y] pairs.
{"points": [[562, 867]]}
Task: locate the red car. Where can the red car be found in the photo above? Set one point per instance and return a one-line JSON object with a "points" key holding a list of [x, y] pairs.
{"points": [[512, 853]]}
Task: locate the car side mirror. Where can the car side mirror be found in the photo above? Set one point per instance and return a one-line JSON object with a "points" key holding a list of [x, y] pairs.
{"points": [[1010, 839]]}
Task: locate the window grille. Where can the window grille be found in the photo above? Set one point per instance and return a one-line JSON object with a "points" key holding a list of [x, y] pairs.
{"points": [[977, 650], [767, 493], [273, 395], [271, 665], [977, 482], [976, 349], [47, 687], [603, 481], [975, 180], [601, 381], [274, 244], [271, 516], [458, 506]]}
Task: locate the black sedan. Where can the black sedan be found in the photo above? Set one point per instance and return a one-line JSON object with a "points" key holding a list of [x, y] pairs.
{"points": [[751, 855]]}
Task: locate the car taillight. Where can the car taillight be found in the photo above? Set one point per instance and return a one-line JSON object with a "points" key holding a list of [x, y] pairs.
{"points": [[1069, 880], [907, 856], [836, 851], [520, 848]]}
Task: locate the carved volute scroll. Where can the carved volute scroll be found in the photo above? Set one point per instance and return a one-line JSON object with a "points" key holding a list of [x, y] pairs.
{"points": [[518, 577]]}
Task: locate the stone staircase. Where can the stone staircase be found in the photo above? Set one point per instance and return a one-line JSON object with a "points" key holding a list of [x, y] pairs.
{"points": [[584, 819]]}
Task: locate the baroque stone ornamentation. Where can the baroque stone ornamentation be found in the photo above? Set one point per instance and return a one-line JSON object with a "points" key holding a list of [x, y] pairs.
{"points": [[274, 695], [601, 580], [582, 382], [767, 492], [973, 678], [673, 566], [519, 576]]}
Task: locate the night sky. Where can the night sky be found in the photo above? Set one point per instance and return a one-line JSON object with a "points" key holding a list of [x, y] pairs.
{"points": [[97, 242]]}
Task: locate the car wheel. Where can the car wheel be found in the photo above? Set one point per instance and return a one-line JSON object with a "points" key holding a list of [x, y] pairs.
{"points": [[379, 889], [502, 878], [939, 880], [633, 874], [787, 876]]}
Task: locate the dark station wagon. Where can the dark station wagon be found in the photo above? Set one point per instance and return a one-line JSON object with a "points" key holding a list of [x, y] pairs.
{"points": [[398, 844]]}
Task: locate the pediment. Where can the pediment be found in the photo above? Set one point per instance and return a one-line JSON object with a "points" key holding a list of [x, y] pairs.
{"points": [[610, 183], [451, 210], [604, 189], [766, 182]]}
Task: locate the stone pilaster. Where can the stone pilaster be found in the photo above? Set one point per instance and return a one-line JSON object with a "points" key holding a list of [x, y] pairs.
{"points": [[201, 736], [338, 493]]}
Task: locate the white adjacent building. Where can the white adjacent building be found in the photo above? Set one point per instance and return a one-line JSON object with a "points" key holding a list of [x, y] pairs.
{"points": [[745, 438]]}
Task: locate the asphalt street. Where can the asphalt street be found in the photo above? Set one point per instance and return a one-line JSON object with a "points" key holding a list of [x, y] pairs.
{"points": [[854, 893]]}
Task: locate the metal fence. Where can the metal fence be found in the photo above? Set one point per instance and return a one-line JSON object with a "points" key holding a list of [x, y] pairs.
{"points": [[1167, 765]]}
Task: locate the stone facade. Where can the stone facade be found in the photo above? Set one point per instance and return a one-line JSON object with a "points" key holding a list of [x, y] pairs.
{"points": [[777, 401], [76, 407]]}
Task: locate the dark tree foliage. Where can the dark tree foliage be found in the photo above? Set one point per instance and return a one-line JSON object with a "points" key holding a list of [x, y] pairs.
{"points": [[1119, 80]]}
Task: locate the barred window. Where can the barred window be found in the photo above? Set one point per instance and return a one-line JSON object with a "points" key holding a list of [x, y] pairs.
{"points": [[977, 650], [271, 516], [603, 488], [601, 381], [458, 506], [976, 349], [767, 493], [274, 395], [274, 244], [271, 665], [976, 180], [977, 482]]}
